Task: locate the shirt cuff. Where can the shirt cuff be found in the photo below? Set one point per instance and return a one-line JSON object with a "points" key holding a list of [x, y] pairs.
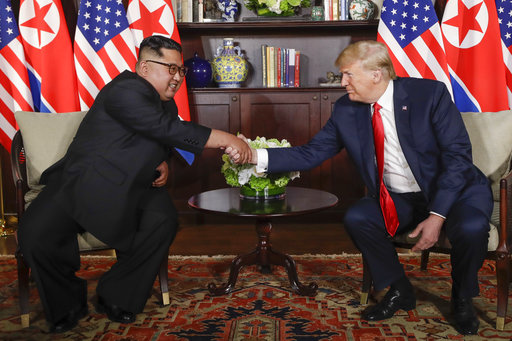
{"points": [[262, 165], [437, 214]]}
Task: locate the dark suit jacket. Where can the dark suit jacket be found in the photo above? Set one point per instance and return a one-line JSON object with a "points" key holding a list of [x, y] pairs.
{"points": [[431, 132], [111, 162]]}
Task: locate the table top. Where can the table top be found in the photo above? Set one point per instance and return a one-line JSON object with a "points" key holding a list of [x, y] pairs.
{"points": [[297, 201]]}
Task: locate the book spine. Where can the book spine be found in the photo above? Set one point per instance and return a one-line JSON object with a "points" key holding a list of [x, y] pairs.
{"points": [[278, 67], [285, 67], [326, 10], [264, 65], [297, 69], [335, 9], [268, 66], [291, 68], [272, 64]]}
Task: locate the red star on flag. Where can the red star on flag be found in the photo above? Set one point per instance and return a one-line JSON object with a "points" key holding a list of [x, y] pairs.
{"points": [[38, 22], [465, 20], [148, 16]]}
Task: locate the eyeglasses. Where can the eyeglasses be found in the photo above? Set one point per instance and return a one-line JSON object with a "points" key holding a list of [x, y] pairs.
{"points": [[173, 68]]}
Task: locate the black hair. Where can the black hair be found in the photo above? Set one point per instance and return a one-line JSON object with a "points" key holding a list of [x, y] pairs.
{"points": [[156, 43]]}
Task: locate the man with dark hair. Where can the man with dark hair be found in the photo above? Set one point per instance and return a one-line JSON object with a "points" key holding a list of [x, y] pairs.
{"points": [[408, 141], [105, 184]]}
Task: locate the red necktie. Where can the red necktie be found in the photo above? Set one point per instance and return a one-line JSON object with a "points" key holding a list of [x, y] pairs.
{"points": [[386, 202]]}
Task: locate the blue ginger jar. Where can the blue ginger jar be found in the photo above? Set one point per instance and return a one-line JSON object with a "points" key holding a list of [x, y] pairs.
{"points": [[230, 69], [199, 73]]}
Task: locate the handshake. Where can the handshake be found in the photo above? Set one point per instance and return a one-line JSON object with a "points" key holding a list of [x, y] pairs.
{"points": [[240, 152]]}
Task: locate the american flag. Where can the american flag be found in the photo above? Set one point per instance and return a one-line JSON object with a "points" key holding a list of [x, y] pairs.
{"points": [[104, 46], [14, 83], [411, 31], [504, 8]]}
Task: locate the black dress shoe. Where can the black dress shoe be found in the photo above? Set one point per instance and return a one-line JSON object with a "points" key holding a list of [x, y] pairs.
{"points": [[390, 304], [114, 312], [69, 321], [466, 321]]}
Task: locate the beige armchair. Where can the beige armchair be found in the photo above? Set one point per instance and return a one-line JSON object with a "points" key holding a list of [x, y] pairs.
{"points": [[491, 139], [42, 140]]}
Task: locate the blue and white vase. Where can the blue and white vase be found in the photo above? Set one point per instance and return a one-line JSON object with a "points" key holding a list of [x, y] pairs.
{"points": [[230, 69], [229, 9]]}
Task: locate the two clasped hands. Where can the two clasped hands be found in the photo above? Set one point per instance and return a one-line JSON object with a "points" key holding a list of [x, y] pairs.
{"points": [[242, 153]]}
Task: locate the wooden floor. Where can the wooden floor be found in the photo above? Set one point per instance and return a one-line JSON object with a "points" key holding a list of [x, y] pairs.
{"points": [[233, 239]]}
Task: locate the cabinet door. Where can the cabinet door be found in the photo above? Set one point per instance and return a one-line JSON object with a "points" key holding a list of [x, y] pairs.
{"points": [[291, 115], [340, 175], [218, 110]]}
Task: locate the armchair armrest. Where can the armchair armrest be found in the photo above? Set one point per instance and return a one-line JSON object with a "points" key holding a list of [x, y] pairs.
{"points": [[505, 228], [19, 172]]}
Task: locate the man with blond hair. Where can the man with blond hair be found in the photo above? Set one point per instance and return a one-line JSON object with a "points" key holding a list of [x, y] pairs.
{"points": [[408, 141]]}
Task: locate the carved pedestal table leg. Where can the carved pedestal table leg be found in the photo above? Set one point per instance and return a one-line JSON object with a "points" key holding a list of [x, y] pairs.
{"points": [[264, 256]]}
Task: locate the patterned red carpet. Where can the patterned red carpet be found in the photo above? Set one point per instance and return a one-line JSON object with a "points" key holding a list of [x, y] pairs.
{"points": [[263, 307]]}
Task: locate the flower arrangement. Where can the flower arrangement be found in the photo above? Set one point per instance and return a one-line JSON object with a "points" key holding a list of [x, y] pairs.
{"points": [[252, 182], [282, 8]]}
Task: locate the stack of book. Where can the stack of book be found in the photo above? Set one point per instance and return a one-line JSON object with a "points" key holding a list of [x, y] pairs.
{"points": [[280, 67], [336, 9]]}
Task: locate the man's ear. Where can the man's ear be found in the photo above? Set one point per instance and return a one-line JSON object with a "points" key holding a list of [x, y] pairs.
{"points": [[142, 68], [376, 76]]}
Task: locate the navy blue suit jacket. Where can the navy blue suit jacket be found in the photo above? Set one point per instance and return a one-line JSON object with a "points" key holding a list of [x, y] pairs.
{"points": [[431, 133]]}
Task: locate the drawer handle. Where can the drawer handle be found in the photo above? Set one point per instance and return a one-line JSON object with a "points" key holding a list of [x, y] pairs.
{"points": [[234, 98], [315, 98]]}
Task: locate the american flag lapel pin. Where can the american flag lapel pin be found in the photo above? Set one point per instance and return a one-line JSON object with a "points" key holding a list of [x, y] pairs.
{"points": [[404, 107]]}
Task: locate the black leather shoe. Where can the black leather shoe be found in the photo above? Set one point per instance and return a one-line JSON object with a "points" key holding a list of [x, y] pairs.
{"points": [[69, 321], [390, 304], [466, 321], [114, 312]]}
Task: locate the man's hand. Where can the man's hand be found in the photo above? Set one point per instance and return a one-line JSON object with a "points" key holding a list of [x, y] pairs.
{"points": [[429, 229], [163, 169], [238, 149], [233, 152]]}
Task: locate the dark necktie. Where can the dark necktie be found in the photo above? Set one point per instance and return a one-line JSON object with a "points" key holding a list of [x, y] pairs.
{"points": [[386, 202]]}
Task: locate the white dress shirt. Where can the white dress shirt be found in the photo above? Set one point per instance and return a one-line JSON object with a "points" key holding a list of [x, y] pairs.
{"points": [[397, 176]]}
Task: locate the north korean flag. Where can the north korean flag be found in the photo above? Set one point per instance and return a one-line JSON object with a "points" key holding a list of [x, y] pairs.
{"points": [[473, 49]]}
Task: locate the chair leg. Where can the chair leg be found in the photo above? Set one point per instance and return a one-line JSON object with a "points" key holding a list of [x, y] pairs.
{"points": [[503, 278], [367, 283], [163, 278], [23, 289], [424, 259]]}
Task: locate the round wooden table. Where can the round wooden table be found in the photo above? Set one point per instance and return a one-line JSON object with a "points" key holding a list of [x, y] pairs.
{"points": [[297, 201]]}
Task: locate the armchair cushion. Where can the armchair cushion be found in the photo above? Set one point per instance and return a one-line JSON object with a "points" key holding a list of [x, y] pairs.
{"points": [[491, 140], [56, 130]]}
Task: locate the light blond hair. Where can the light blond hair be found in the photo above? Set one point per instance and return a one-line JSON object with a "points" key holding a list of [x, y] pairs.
{"points": [[373, 56]]}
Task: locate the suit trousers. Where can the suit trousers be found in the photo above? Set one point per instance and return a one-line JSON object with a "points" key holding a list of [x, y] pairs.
{"points": [[48, 240], [467, 229]]}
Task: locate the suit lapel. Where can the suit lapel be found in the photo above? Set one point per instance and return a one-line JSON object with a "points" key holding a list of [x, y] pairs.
{"points": [[402, 104]]}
